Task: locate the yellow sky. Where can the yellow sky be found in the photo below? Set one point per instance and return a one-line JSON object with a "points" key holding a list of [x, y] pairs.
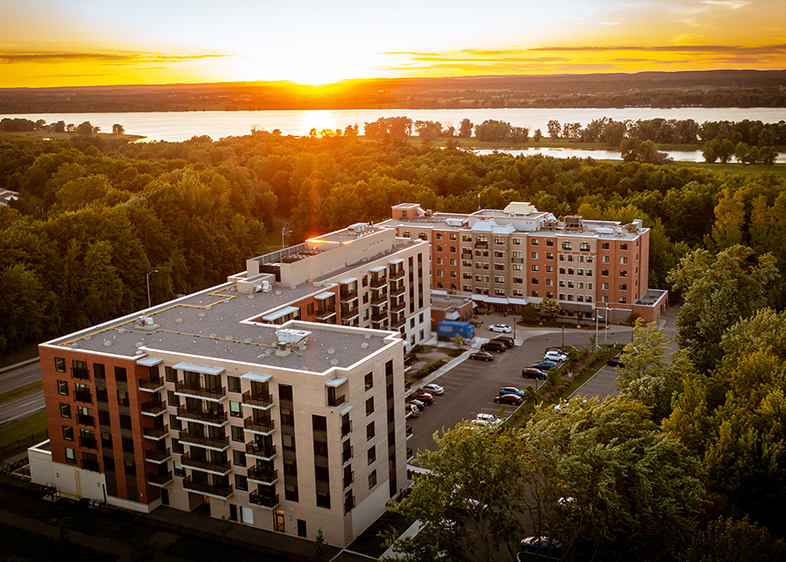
{"points": [[91, 42]]}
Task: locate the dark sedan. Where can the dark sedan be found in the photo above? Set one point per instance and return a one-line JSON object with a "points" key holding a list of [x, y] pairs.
{"points": [[514, 399], [533, 373], [482, 356]]}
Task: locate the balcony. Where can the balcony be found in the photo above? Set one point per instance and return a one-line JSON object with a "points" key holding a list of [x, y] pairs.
{"points": [[346, 429], [220, 492], [379, 317], [346, 455], [335, 401], [81, 374], [323, 315], [153, 385], [257, 452], [83, 396], [83, 419], [349, 479], [396, 324], [347, 296], [197, 391], [158, 456], [410, 454], [153, 408], [349, 504], [396, 275], [267, 477], [482, 244], [219, 443], [517, 260], [155, 433], [88, 443], [378, 281], [159, 480], [398, 307], [270, 501], [409, 431], [221, 468], [91, 465], [397, 291], [261, 400], [212, 417], [262, 427]]}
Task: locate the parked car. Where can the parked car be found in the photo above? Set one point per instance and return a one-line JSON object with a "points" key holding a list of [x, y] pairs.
{"points": [[506, 339], [482, 356], [424, 397], [511, 390], [414, 410], [504, 328], [416, 402], [541, 545], [514, 399], [493, 346], [533, 373], [486, 419], [615, 362], [506, 342], [545, 365], [432, 388], [554, 355]]}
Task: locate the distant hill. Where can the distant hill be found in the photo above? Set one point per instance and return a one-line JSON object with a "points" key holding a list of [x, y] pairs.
{"points": [[716, 88]]}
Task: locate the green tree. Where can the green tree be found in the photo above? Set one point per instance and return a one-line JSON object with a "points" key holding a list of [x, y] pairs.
{"points": [[465, 129], [319, 548], [473, 496], [23, 308], [554, 129], [609, 485], [730, 539], [719, 290], [637, 150], [118, 129], [549, 308]]}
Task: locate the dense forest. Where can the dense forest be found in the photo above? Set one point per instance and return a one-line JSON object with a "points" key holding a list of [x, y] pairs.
{"points": [[718, 88], [690, 460]]}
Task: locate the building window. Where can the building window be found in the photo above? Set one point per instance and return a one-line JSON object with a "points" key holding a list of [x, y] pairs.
{"points": [[589, 286], [125, 421], [62, 388], [549, 269], [604, 272], [179, 470], [177, 446], [518, 267], [588, 272], [60, 365], [122, 398], [549, 256], [567, 246], [623, 300], [604, 246], [623, 246], [562, 296], [623, 273], [170, 374], [175, 423], [623, 286], [241, 482], [452, 235], [623, 260], [562, 271], [535, 281], [370, 406], [561, 283], [369, 381], [570, 284], [517, 241], [549, 282], [370, 431], [68, 433], [570, 271], [65, 410], [570, 297], [584, 247], [237, 434], [233, 384], [239, 458], [234, 409], [372, 479], [120, 374], [70, 455], [534, 293], [372, 454]]}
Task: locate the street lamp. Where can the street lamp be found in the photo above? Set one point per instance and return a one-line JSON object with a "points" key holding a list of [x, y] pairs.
{"points": [[597, 317], [284, 232], [149, 305]]}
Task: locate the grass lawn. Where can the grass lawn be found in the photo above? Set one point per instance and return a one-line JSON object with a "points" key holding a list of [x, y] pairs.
{"points": [[22, 429], [18, 544], [21, 391]]}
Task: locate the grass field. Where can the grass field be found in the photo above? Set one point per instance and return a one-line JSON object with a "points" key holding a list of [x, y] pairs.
{"points": [[22, 429]]}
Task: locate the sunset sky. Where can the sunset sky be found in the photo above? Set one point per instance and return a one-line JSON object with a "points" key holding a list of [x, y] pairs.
{"points": [[92, 42]]}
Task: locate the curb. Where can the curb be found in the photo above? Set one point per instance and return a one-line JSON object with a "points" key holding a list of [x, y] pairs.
{"points": [[21, 364]]}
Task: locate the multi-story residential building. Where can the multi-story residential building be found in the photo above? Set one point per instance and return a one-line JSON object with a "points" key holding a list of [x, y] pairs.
{"points": [[276, 398], [511, 257]]}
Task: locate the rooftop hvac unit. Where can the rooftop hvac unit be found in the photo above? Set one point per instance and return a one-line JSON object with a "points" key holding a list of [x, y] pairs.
{"points": [[289, 335], [550, 224], [604, 230], [573, 222]]}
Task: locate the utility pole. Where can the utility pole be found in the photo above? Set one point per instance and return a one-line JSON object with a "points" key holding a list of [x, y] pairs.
{"points": [[149, 304]]}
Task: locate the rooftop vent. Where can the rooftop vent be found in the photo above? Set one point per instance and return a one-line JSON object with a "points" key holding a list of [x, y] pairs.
{"points": [[291, 336], [574, 222], [359, 227]]}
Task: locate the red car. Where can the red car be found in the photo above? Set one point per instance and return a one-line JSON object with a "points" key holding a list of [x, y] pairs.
{"points": [[514, 399], [424, 397]]}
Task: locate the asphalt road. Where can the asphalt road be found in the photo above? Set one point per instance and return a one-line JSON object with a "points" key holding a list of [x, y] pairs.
{"points": [[20, 376], [22, 407]]}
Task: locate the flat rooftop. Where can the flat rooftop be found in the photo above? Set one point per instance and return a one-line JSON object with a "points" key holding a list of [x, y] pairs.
{"points": [[218, 323]]}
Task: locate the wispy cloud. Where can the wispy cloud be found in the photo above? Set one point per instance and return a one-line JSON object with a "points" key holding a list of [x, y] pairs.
{"points": [[106, 58], [730, 4]]}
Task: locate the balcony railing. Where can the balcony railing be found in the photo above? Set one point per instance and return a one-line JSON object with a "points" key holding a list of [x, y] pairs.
{"points": [[223, 492], [267, 477], [91, 465], [395, 324], [158, 456], [379, 317], [204, 464], [199, 391], [265, 427], [346, 429], [346, 296], [153, 408], [81, 374], [153, 385], [517, 260], [83, 419], [349, 479], [215, 417], [88, 443], [155, 432], [410, 454], [264, 500], [409, 431], [335, 401], [83, 396], [398, 307], [481, 244], [262, 400], [159, 479], [265, 453], [220, 443], [346, 455], [325, 314], [349, 504], [378, 282], [379, 299]]}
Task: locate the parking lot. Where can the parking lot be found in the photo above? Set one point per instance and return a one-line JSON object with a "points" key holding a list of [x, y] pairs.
{"points": [[471, 386]]}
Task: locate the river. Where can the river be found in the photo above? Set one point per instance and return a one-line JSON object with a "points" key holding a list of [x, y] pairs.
{"points": [[155, 126]]}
